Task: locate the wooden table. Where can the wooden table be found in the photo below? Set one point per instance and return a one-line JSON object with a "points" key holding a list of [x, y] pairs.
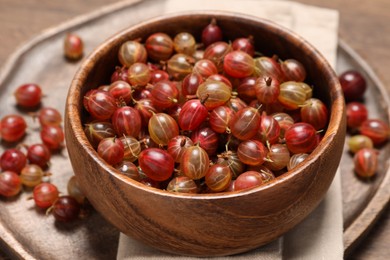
{"points": [[363, 25]]}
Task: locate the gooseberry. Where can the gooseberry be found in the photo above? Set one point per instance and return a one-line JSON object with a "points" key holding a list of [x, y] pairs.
{"points": [[28, 95], [156, 163], [12, 128], [45, 194]]}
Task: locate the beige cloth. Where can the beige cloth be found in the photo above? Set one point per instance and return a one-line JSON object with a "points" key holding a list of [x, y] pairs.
{"points": [[320, 235]]}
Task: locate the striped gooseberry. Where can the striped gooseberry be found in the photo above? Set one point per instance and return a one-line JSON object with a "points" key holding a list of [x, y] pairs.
{"points": [[45, 194], [194, 162], [139, 75], [156, 163], [131, 52], [100, 104], [278, 157], [162, 128], [296, 159], [268, 67], [177, 146], [315, 112], [10, 184], [180, 65], [97, 131], [31, 175], [357, 142], [357, 113], [230, 159], [292, 95], [238, 64], [111, 149], [211, 33], [184, 42], [205, 68], [245, 123], [159, 46], [39, 154], [213, 94], [128, 169], [126, 121], [252, 152], [248, 180], [218, 177], [164, 94], [182, 184], [52, 136], [366, 162], [301, 138], [28, 95], [12, 128], [132, 148], [245, 44], [206, 138], [121, 91], [219, 119], [193, 113], [13, 160], [267, 89], [293, 70], [216, 52], [376, 129]]}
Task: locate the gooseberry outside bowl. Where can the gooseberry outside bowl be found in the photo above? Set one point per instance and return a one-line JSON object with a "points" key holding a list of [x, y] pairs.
{"points": [[207, 224]]}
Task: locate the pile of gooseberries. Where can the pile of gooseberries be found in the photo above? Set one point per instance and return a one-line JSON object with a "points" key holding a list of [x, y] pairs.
{"points": [[366, 135], [24, 167], [203, 115]]}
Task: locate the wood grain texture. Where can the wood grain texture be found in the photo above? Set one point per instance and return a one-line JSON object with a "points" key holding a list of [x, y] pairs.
{"points": [[170, 223], [359, 23]]}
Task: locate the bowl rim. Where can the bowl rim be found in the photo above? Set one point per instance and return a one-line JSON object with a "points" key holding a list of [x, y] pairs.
{"points": [[334, 122]]}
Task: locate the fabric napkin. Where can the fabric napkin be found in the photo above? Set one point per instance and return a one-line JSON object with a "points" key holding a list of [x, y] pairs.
{"points": [[320, 235]]}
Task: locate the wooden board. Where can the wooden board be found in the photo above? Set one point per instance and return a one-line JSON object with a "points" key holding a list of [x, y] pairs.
{"points": [[28, 233]]}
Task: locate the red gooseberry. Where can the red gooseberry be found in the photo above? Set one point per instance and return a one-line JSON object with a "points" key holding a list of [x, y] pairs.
{"points": [[111, 150], [366, 162], [52, 136], [28, 95], [73, 46], [39, 154], [12, 128], [206, 138], [357, 113], [13, 160], [194, 162], [192, 114], [126, 121], [156, 163], [10, 183], [66, 209], [45, 194], [376, 129], [301, 138], [162, 128], [218, 177], [131, 52], [238, 64], [211, 33], [315, 112], [248, 180], [353, 84], [159, 46], [182, 184]]}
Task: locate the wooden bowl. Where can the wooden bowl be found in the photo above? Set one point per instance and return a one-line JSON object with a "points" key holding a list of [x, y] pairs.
{"points": [[207, 224]]}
